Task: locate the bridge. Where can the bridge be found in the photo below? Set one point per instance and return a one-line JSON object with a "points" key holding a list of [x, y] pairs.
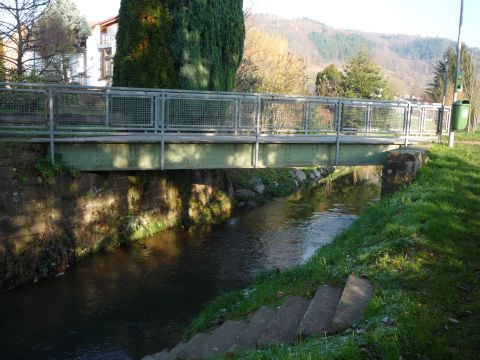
{"points": [[105, 129]]}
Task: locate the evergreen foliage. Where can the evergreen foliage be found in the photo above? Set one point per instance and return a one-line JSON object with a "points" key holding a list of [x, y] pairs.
{"points": [[143, 57], [338, 46], [329, 82], [427, 49], [363, 79], [187, 44]]}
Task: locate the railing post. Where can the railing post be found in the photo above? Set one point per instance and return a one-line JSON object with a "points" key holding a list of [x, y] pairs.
{"points": [[236, 116], [367, 119], [307, 117], [257, 131], [407, 123], [162, 130], [156, 113], [441, 114], [339, 127], [422, 120], [107, 108], [51, 124]]}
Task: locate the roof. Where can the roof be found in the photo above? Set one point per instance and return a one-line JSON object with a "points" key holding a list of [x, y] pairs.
{"points": [[107, 22]]}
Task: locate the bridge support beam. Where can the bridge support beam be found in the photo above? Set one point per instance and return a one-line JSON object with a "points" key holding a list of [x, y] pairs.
{"points": [[148, 156]]}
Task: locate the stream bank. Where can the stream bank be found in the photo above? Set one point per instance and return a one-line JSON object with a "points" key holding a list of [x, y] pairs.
{"points": [[51, 217]]}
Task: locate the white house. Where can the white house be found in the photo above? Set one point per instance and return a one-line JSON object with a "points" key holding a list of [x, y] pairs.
{"points": [[96, 64]]}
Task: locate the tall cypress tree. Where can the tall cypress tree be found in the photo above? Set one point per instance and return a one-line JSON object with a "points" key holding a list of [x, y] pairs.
{"points": [[143, 57], [201, 44]]}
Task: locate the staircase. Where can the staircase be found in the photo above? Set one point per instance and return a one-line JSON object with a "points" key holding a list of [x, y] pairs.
{"points": [[331, 310]]}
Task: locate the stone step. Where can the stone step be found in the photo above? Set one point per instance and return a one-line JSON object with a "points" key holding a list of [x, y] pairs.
{"points": [[220, 341], [164, 355], [247, 340], [190, 349], [321, 311], [283, 327], [352, 304]]}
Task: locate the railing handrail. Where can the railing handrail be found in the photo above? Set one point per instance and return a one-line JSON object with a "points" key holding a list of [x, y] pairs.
{"points": [[200, 92]]}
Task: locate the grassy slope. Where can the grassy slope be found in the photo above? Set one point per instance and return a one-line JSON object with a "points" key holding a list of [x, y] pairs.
{"points": [[419, 247], [465, 136]]}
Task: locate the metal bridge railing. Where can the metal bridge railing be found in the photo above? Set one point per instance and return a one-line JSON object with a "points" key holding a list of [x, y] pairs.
{"points": [[59, 110]]}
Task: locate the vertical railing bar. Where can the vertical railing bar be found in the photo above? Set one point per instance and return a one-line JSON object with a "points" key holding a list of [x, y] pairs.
{"points": [[257, 131], [51, 121], [162, 124], [307, 117], [157, 113], [107, 109], [367, 119], [236, 119], [408, 123], [339, 126]]}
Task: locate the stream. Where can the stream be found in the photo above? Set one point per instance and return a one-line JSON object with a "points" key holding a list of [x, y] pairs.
{"points": [[136, 301]]}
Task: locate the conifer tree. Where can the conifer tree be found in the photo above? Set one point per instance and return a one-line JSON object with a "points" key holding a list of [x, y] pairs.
{"points": [[363, 79], [187, 44]]}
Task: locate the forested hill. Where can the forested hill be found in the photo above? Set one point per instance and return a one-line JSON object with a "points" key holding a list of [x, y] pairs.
{"points": [[406, 60]]}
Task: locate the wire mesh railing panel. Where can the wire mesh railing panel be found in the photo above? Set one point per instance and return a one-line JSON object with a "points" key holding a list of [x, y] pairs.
{"points": [[23, 109], [430, 120], [353, 119], [322, 117], [416, 120], [79, 109], [387, 119], [283, 116], [197, 114], [248, 115], [133, 112]]}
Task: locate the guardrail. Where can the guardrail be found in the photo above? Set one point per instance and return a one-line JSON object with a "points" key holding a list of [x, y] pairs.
{"points": [[61, 110]]}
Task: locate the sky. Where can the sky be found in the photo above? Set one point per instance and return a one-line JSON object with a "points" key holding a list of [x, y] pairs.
{"points": [[413, 17]]}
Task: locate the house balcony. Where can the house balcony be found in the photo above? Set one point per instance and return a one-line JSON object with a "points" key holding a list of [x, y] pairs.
{"points": [[106, 41]]}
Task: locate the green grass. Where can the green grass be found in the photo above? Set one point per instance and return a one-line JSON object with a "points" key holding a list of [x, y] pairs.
{"points": [[419, 247], [466, 136]]}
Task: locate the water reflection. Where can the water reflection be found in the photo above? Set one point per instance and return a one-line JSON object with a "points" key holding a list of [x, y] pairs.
{"points": [[136, 301]]}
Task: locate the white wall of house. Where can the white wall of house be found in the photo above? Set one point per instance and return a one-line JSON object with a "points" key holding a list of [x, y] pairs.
{"points": [[97, 62]]}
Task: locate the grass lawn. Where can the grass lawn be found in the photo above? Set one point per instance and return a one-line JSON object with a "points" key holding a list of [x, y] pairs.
{"points": [[465, 136], [419, 247]]}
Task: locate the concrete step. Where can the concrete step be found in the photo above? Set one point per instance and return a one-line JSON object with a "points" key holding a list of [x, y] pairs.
{"points": [[247, 340], [283, 327], [220, 341], [164, 355], [319, 315], [352, 304], [190, 349]]}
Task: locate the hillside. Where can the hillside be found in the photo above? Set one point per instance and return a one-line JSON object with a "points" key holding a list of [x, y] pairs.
{"points": [[406, 60]]}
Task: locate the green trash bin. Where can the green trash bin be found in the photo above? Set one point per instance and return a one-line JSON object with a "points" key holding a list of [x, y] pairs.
{"points": [[460, 113]]}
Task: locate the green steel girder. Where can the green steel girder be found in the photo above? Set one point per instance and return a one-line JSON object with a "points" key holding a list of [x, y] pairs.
{"points": [[148, 156]]}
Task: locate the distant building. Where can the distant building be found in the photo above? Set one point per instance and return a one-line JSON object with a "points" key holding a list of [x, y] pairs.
{"points": [[96, 64]]}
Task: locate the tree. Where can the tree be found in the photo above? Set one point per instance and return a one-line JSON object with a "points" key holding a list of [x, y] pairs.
{"points": [[17, 20], [471, 82], [268, 67], [199, 42], [60, 36], [363, 79], [144, 57], [329, 82], [2, 65]]}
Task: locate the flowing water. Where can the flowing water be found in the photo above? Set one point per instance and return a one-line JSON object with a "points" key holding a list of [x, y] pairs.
{"points": [[137, 301]]}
